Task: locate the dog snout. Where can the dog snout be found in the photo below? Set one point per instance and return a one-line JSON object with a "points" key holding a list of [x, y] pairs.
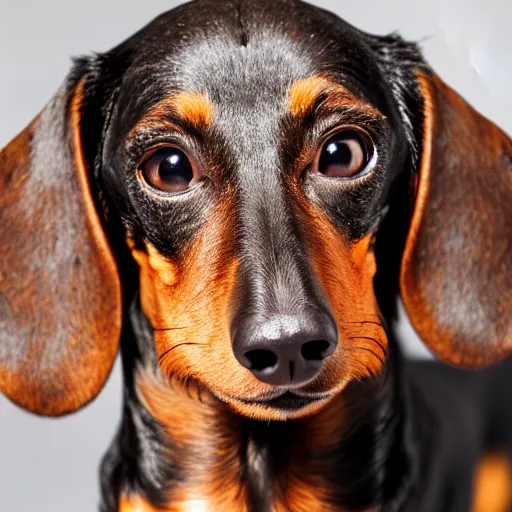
{"points": [[285, 350]]}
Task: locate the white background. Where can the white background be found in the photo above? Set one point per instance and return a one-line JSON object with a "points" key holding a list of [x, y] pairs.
{"points": [[52, 465]]}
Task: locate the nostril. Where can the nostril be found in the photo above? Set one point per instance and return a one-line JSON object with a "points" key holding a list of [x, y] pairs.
{"points": [[261, 359], [315, 350]]}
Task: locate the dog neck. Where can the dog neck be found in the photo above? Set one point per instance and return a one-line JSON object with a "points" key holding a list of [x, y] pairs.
{"points": [[189, 451]]}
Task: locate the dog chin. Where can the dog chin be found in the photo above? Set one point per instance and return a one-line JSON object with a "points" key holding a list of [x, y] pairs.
{"points": [[286, 407]]}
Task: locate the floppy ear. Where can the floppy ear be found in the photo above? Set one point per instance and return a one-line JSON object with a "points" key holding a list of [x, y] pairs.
{"points": [[456, 273], [60, 301]]}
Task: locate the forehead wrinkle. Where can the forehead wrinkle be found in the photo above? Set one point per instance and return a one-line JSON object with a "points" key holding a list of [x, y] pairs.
{"points": [[191, 108], [307, 94]]}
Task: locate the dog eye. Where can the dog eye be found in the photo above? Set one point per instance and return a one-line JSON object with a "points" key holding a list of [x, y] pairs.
{"points": [[344, 155], [169, 169]]}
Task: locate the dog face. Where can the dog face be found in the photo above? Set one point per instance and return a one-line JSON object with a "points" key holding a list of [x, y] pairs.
{"points": [[249, 158], [255, 246]]}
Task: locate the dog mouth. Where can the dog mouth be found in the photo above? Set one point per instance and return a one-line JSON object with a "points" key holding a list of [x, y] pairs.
{"points": [[288, 401]]}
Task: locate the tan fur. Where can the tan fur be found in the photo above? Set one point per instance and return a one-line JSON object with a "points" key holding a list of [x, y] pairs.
{"points": [[133, 503], [305, 93], [195, 109], [493, 484], [208, 436]]}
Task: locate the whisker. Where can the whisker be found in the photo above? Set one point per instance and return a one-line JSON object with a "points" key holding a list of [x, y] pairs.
{"points": [[168, 328], [187, 388], [370, 339], [168, 351], [369, 315], [365, 322], [381, 360]]}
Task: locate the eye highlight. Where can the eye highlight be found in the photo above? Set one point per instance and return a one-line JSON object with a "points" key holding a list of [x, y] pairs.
{"points": [[346, 154], [169, 169]]}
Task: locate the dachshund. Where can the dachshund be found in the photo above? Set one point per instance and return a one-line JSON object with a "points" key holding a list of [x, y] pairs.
{"points": [[237, 197]]}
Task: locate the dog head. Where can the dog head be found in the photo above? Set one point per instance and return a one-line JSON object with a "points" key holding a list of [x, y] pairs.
{"points": [[245, 156]]}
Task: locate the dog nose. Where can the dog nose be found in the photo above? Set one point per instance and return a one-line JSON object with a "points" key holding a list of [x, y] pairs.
{"points": [[284, 349]]}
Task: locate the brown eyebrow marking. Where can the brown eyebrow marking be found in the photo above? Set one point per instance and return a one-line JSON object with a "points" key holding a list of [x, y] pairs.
{"points": [[305, 95], [193, 108]]}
